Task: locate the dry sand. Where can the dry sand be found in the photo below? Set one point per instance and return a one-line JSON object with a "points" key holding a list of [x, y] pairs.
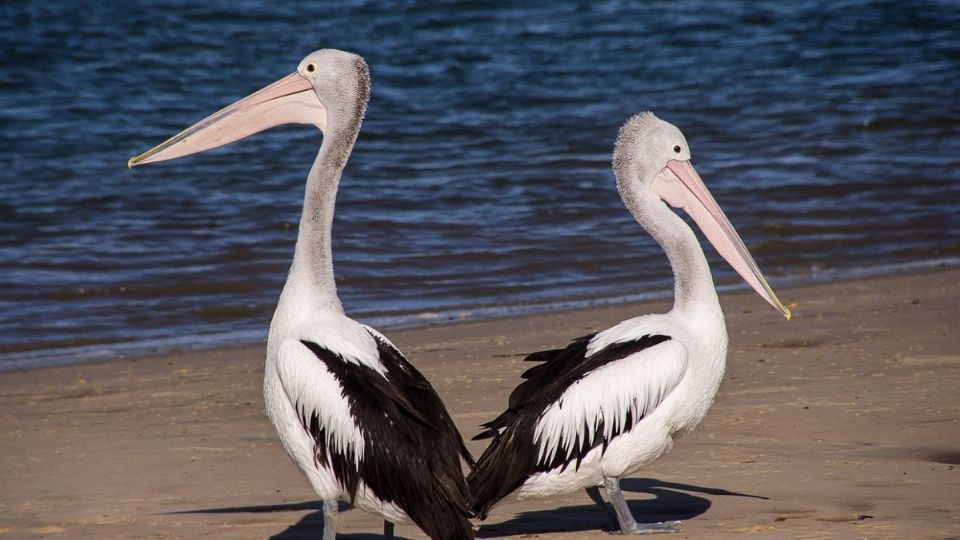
{"points": [[842, 423]]}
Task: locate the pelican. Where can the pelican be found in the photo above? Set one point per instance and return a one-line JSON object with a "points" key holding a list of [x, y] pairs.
{"points": [[611, 402], [361, 423]]}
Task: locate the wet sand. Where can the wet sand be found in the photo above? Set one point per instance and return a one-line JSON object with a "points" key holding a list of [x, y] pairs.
{"points": [[842, 423]]}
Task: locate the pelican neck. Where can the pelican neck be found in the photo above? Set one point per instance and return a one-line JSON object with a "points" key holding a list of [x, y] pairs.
{"points": [[312, 267], [694, 290]]}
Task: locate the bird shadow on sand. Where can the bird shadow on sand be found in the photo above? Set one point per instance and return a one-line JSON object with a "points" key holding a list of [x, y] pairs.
{"points": [[309, 527], [671, 501]]}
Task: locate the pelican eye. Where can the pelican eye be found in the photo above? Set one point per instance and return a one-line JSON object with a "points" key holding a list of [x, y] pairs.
{"points": [[676, 148], [310, 68]]}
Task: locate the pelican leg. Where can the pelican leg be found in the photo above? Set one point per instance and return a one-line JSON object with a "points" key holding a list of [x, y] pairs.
{"points": [[628, 525], [594, 494], [387, 530], [331, 514]]}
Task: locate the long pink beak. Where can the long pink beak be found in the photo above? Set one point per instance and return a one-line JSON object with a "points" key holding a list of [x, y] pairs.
{"points": [[681, 187], [291, 100]]}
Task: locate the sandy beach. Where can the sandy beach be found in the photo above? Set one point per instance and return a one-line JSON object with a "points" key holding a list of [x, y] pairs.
{"points": [[842, 423]]}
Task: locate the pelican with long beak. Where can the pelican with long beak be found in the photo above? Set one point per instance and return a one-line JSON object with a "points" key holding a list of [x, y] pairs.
{"points": [[361, 423], [612, 402]]}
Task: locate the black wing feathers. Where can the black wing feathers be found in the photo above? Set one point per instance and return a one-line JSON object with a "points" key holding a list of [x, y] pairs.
{"points": [[511, 457], [412, 448], [420, 392]]}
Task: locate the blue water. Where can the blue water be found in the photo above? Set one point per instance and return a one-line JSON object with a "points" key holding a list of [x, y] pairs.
{"points": [[829, 131]]}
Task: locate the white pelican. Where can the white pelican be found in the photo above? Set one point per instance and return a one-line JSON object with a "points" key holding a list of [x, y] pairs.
{"points": [[612, 402], [360, 421]]}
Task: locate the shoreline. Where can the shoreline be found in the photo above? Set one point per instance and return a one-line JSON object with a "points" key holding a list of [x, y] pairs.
{"points": [[842, 422], [137, 349]]}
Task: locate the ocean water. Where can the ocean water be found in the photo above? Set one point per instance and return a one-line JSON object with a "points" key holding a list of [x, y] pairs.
{"points": [[480, 184]]}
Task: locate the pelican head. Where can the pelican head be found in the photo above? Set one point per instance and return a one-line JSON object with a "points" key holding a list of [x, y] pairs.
{"points": [[652, 161], [329, 85]]}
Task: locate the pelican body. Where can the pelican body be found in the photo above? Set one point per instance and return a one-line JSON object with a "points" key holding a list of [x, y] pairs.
{"points": [[612, 402], [361, 423]]}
